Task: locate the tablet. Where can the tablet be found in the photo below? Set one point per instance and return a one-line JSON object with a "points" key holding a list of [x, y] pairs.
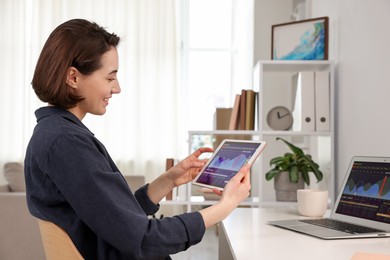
{"points": [[226, 161]]}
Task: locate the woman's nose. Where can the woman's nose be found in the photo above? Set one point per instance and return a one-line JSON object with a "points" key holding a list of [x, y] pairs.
{"points": [[116, 89]]}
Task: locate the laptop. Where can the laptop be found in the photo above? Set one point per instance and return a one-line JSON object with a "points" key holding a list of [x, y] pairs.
{"points": [[362, 207]]}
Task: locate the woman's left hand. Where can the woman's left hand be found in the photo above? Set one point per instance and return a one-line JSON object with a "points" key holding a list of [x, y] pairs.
{"points": [[187, 169]]}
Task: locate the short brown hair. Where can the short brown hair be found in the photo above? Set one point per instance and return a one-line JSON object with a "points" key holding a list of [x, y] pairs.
{"points": [[76, 43]]}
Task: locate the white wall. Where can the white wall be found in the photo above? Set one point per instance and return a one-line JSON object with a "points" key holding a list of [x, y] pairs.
{"points": [[267, 13], [359, 44]]}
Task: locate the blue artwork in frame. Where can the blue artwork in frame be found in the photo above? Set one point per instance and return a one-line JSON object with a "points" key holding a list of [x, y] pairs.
{"points": [[301, 40]]}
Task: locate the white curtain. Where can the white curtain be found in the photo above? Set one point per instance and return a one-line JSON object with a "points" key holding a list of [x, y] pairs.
{"points": [[139, 128]]}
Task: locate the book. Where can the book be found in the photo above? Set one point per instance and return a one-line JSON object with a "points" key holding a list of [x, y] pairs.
{"points": [[243, 115], [233, 125], [369, 255], [250, 110], [242, 110]]}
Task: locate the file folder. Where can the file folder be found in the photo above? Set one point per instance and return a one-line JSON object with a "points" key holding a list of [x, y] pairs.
{"points": [[322, 100], [304, 107]]}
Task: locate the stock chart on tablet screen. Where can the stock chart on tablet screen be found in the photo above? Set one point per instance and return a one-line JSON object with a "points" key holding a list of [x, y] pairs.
{"points": [[227, 163]]}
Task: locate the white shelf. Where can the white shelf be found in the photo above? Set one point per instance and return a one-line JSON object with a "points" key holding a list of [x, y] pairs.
{"points": [[294, 66], [296, 133], [263, 133], [223, 132]]}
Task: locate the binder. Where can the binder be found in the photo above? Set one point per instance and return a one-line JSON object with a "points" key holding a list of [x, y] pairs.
{"points": [[322, 100], [304, 107]]}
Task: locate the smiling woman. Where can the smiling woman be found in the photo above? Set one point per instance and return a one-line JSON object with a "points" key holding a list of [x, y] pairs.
{"points": [[71, 177]]}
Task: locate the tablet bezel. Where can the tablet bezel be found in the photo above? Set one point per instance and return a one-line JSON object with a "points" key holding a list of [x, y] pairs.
{"points": [[216, 152]]}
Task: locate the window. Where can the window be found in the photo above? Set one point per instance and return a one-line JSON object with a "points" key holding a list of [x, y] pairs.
{"points": [[216, 57]]}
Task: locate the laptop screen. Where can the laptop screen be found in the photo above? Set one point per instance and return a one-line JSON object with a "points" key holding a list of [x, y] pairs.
{"points": [[366, 193]]}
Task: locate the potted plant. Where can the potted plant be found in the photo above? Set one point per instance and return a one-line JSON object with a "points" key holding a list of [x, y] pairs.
{"points": [[291, 171]]}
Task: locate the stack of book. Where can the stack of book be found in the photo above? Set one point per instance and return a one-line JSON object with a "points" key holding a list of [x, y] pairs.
{"points": [[243, 112], [240, 117]]}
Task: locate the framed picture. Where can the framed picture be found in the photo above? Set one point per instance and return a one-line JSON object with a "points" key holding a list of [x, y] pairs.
{"points": [[301, 40]]}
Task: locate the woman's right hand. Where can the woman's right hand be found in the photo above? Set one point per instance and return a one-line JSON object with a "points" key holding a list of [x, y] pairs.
{"points": [[235, 191]]}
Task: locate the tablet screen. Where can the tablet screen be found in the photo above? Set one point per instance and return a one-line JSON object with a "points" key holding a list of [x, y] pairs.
{"points": [[226, 161]]}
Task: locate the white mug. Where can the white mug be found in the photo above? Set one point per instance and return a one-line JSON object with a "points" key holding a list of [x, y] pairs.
{"points": [[312, 203]]}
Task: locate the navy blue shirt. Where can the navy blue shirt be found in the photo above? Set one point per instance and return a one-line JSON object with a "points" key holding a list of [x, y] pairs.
{"points": [[72, 181]]}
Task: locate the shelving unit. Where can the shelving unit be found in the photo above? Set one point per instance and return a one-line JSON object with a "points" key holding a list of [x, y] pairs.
{"points": [[313, 139]]}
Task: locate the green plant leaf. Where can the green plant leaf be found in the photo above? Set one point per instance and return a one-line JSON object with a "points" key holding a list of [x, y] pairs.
{"points": [[276, 160], [318, 174], [297, 164], [294, 174], [314, 167], [293, 148], [305, 176], [271, 174]]}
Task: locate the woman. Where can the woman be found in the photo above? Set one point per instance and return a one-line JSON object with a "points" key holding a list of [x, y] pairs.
{"points": [[72, 181]]}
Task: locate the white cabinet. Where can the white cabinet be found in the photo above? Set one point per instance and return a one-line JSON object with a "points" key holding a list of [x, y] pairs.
{"points": [[275, 83]]}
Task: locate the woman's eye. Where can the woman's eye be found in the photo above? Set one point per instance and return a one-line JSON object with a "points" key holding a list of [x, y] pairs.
{"points": [[111, 79]]}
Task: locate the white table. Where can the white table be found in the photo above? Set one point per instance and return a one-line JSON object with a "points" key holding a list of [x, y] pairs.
{"points": [[245, 235]]}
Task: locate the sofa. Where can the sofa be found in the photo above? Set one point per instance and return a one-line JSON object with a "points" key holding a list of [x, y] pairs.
{"points": [[20, 237]]}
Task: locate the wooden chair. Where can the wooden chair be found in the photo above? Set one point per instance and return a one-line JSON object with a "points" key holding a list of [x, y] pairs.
{"points": [[56, 242]]}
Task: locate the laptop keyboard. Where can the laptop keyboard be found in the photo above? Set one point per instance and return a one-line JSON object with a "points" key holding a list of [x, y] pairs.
{"points": [[341, 226]]}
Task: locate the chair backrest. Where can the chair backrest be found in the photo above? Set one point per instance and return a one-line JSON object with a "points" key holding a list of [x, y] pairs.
{"points": [[56, 242]]}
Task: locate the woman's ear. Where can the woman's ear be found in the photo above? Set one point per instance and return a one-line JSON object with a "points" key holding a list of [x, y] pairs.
{"points": [[71, 77]]}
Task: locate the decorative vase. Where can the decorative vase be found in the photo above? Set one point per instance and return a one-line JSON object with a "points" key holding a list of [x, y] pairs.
{"points": [[286, 190]]}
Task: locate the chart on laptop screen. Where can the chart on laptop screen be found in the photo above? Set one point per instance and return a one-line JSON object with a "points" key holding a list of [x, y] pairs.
{"points": [[367, 192]]}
